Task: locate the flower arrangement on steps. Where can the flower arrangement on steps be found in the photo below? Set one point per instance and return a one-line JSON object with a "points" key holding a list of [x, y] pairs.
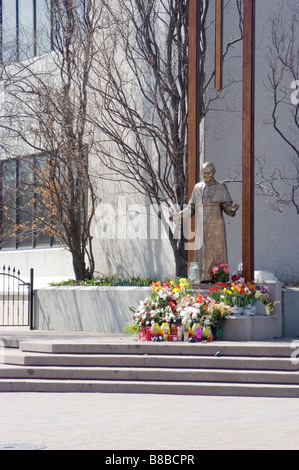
{"points": [[174, 312]]}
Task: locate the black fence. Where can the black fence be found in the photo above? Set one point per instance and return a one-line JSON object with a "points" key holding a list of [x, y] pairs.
{"points": [[16, 298]]}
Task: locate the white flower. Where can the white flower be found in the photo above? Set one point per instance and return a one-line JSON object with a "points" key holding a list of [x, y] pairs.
{"points": [[163, 295]]}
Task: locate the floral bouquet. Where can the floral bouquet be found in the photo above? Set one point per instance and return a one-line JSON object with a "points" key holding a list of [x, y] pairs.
{"points": [[206, 312], [218, 313], [194, 310], [236, 293], [173, 303], [221, 272], [262, 294], [239, 294], [161, 307]]}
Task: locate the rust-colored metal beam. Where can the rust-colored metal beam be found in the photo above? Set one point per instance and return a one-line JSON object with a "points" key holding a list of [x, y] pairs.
{"points": [[219, 45], [248, 141], [193, 72], [193, 124]]}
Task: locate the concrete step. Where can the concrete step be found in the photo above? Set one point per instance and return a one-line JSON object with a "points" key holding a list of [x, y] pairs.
{"points": [[16, 357], [171, 388], [241, 369], [255, 349], [149, 374]]}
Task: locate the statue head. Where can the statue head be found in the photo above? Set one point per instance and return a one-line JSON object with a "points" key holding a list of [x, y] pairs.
{"points": [[208, 171]]}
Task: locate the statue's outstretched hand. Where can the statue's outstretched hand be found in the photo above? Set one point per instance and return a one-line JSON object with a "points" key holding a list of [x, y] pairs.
{"points": [[234, 209]]}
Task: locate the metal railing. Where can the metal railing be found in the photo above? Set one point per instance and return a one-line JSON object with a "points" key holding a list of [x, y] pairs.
{"points": [[16, 298]]}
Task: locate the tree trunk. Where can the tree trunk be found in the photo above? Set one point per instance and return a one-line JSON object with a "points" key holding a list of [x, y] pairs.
{"points": [[181, 258], [79, 266]]}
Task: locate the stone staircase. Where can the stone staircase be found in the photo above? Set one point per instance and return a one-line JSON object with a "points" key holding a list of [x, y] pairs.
{"points": [[262, 369]]}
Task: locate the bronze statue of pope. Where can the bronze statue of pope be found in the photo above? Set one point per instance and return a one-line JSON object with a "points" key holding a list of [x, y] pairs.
{"points": [[208, 201]]}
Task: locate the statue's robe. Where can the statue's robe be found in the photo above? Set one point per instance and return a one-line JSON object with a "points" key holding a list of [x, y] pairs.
{"points": [[208, 202]]}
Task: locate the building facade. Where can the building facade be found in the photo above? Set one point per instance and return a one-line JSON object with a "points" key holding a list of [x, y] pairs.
{"points": [[128, 236]]}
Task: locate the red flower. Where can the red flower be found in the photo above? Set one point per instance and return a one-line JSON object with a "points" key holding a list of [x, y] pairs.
{"points": [[222, 284], [214, 289]]}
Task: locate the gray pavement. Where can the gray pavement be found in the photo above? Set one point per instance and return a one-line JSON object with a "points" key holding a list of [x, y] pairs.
{"points": [[71, 421], [149, 422]]}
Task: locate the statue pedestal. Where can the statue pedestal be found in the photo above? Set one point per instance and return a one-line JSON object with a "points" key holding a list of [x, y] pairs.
{"points": [[256, 327]]}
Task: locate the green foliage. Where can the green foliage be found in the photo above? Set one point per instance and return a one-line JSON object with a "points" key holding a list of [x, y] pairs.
{"points": [[115, 280]]}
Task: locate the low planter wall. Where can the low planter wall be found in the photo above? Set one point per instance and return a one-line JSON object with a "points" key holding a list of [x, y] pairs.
{"points": [[255, 328], [87, 309], [106, 310], [290, 306]]}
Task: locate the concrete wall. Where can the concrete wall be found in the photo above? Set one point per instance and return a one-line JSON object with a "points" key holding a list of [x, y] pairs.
{"points": [[276, 225], [50, 265], [290, 305], [88, 309]]}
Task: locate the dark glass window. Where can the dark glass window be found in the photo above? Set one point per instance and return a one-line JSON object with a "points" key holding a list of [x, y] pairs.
{"points": [[43, 28], [8, 30], [25, 203], [25, 29], [8, 203], [21, 213]]}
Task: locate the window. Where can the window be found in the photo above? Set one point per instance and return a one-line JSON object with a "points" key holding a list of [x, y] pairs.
{"points": [[20, 211], [43, 28], [25, 29]]}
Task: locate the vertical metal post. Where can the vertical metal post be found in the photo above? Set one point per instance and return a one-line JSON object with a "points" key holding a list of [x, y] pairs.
{"points": [[219, 45], [31, 299], [193, 127], [248, 140]]}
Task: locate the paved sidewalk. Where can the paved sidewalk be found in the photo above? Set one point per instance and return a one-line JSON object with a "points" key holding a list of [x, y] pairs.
{"points": [[71, 421], [148, 422]]}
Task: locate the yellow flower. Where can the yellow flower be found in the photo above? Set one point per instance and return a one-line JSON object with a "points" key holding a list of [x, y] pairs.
{"points": [[183, 283]]}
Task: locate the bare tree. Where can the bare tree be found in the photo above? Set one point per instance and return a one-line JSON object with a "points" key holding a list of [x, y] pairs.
{"points": [[141, 94], [283, 60], [141, 88], [44, 114]]}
